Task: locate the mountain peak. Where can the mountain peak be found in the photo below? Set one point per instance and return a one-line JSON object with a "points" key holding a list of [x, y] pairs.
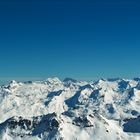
{"points": [[53, 80], [53, 109]]}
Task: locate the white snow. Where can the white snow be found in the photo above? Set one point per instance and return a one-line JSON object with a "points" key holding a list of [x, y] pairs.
{"points": [[100, 110]]}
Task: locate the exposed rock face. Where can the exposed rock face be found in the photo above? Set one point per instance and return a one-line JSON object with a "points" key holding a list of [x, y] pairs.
{"points": [[33, 126], [82, 122], [132, 125]]}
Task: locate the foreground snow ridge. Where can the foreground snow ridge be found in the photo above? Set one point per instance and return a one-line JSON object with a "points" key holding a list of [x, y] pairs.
{"points": [[107, 109]]}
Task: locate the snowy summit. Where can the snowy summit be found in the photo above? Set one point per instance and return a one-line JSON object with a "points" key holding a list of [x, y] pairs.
{"points": [[107, 109]]}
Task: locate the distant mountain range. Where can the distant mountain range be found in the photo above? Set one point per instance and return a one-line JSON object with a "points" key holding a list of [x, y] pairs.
{"points": [[107, 109]]}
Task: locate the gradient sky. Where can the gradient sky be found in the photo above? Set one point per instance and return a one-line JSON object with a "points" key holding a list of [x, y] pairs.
{"points": [[83, 39]]}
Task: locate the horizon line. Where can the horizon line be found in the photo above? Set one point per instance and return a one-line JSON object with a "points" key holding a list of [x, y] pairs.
{"points": [[59, 77]]}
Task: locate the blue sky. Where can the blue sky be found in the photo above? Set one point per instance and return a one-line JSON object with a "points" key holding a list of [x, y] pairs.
{"points": [[83, 39]]}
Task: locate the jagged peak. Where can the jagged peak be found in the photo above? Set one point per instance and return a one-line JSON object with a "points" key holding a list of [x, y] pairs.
{"points": [[13, 82], [77, 105], [53, 80]]}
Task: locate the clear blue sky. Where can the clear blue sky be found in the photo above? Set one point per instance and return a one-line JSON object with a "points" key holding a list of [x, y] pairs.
{"points": [[69, 38]]}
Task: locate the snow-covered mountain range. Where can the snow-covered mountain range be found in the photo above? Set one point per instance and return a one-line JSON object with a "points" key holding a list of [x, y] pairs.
{"points": [[107, 109]]}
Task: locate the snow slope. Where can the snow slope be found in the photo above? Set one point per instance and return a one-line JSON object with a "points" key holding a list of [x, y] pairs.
{"points": [[70, 110]]}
